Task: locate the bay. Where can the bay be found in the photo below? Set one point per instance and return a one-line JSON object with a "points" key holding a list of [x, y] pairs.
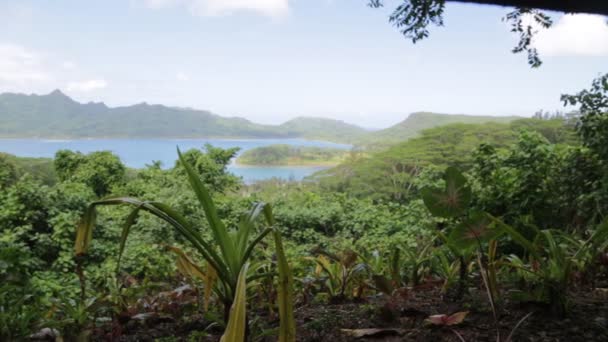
{"points": [[137, 153]]}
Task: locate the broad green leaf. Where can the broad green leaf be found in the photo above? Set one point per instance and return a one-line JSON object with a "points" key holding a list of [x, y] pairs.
{"points": [[451, 201], [473, 231]]}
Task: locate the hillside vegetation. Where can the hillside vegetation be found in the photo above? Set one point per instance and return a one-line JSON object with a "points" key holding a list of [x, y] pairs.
{"points": [[480, 231], [16, 167], [386, 174], [415, 123], [292, 155]]}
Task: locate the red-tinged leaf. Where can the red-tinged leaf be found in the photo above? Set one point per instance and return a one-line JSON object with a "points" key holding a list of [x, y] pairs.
{"points": [[446, 320], [437, 319]]}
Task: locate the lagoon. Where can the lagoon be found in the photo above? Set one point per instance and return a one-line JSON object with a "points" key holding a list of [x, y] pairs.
{"points": [[137, 153]]}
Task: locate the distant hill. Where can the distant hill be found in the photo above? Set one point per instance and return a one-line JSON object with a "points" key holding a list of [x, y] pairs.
{"points": [[323, 129], [415, 123], [58, 116]]}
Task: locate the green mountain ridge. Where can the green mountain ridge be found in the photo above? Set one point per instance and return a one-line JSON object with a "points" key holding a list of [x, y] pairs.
{"points": [[57, 116]]}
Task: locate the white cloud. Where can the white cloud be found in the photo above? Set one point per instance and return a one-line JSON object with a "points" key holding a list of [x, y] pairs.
{"points": [[574, 35], [273, 8], [87, 86], [68, 65], [20, 66], [181, 76]]}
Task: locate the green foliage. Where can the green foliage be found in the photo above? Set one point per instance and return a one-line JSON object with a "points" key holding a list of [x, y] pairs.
{"points": [[395, 174], [99, 170], [593, 126], [340, 273], [12, 168], [416, 123], [19, 314], [235, 246], [210, 164], [8, 172], [532, 196], [291, 155], [413, 17], [555, 256], [549, 185]]}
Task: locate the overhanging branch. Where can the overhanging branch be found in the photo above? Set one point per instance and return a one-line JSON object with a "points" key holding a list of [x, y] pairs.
{"points": [[567, 6]]}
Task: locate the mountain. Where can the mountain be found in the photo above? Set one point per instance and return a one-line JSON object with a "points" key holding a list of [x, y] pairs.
{"points": [[415, 123], [56, 115], [323, 129]]}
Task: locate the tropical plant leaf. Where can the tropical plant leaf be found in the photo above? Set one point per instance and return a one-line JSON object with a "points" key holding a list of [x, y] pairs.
{"points": [[287, 328], [84, 231], [186, 266], [131, 219], [218, 229], [473, 231], [528, 245], [237, 322], [209, 283], [451, 201]]}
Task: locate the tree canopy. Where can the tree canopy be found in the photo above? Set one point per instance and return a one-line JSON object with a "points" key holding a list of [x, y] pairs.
{"points": [[413, 17]]}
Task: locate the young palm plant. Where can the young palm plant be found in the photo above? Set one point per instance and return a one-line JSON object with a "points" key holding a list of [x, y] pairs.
{"points": [[227, 254], [340, 273], [554, 257]]}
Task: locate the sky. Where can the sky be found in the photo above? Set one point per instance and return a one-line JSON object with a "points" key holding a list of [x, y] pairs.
{"points": [[272, 60]]}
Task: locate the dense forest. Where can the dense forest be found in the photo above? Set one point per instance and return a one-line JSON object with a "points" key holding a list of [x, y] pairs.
{"points": [[478, 231]]}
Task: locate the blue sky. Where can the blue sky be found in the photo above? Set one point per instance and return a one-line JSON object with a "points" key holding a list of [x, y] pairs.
{"points": [[271, 60]]}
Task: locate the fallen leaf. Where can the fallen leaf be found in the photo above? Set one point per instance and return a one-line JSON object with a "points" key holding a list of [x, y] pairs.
{"points": [[373, 332], [454, 319]]}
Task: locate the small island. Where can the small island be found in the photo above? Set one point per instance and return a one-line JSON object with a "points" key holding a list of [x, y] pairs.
{"points": [[281, 154]]}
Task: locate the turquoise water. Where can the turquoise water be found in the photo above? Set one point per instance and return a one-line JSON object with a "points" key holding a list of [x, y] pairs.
{"points": [[139, 152]]}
